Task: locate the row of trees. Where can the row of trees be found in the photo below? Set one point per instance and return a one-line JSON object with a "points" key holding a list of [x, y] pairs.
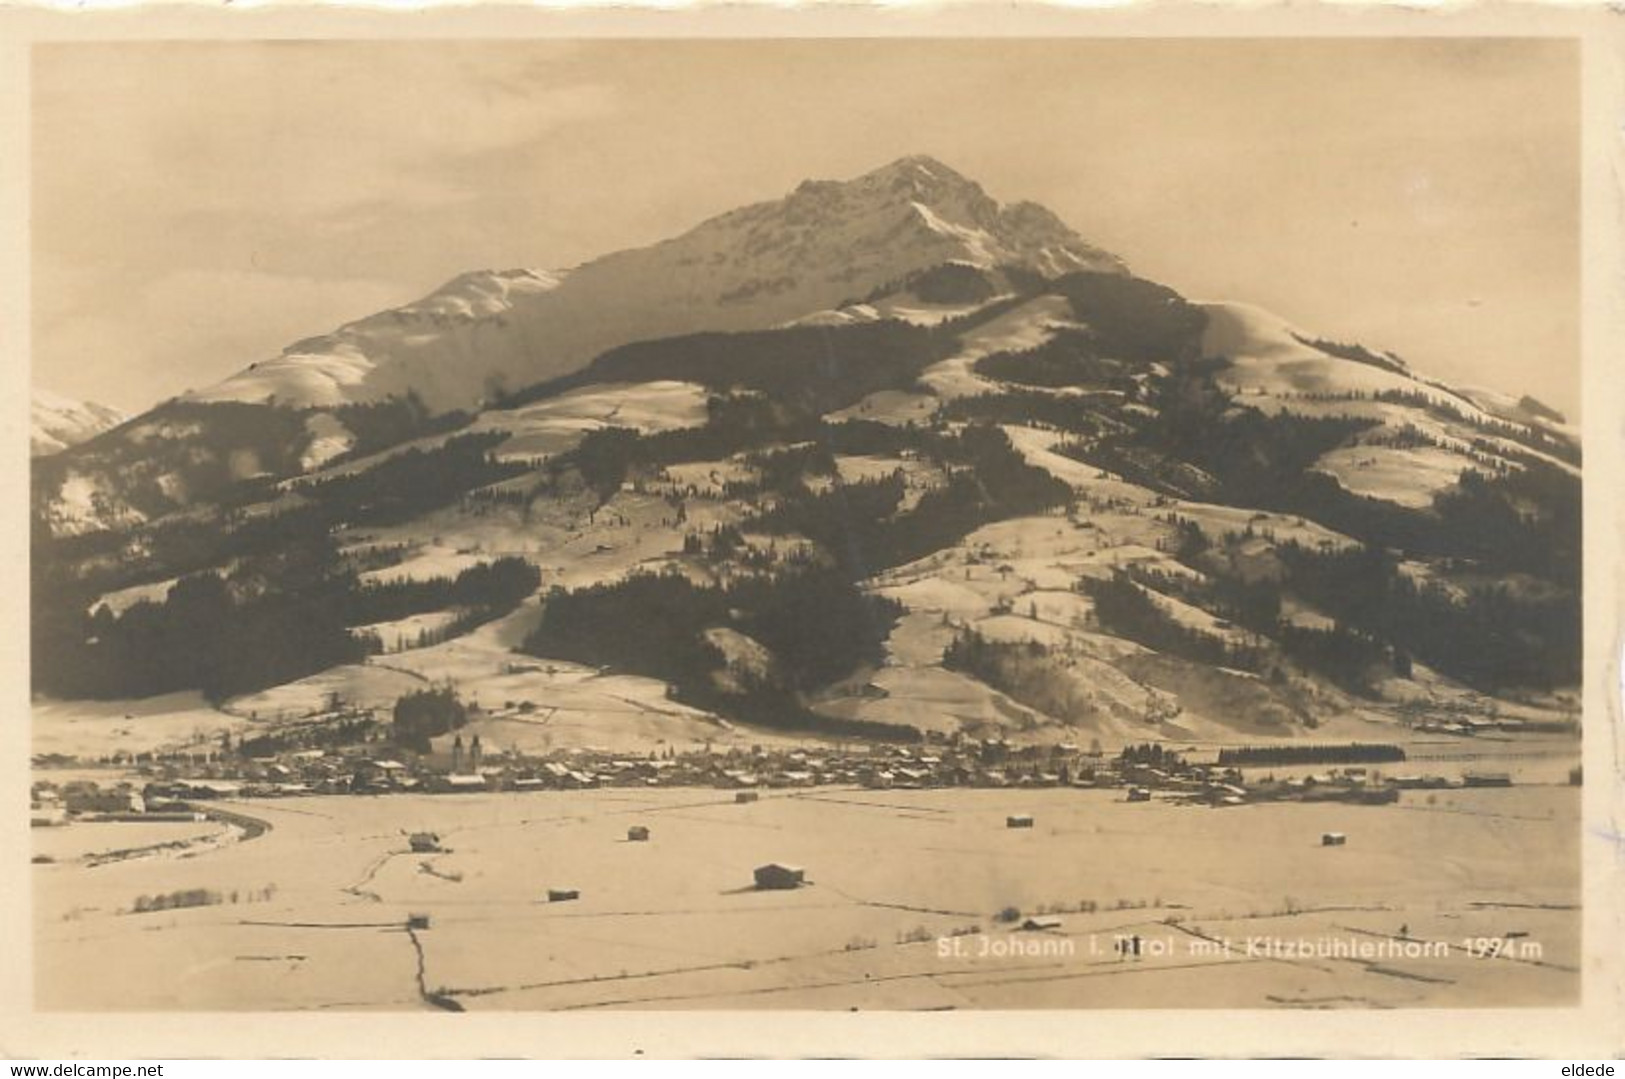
{"points": [[811, 369], [814, 625], [1319, 753], [281, 617], [1072, 357], [1024, 672], [1134, 319], [378, 425], [1126, 609], [1151, 753], [1494, 637], [493, 588], [427, 714], [200, 637], [412, 482], [859, 526], [1348, 657], [1089, 415]]}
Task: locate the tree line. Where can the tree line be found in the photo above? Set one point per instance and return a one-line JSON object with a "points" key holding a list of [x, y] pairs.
{"points": [[1320, 753], [813, 622]]}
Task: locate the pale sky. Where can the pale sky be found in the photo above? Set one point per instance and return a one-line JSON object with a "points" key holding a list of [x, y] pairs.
{"points": [[197, 206]]}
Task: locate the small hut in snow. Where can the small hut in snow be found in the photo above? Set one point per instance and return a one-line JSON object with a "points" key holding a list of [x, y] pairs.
{"points": [[776, 876]]}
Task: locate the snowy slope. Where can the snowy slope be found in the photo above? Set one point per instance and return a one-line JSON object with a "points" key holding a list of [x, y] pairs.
{"points": [[59, 422], [1525, 410], [825, 243], [446, 347], [1269, 357], [911, 242], [1273, 367]]}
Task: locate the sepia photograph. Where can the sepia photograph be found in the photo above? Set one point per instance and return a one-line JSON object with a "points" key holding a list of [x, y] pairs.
{"points": [[837, 525]]}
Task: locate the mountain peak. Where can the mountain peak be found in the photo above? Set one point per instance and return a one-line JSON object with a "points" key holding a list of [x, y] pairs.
{"points": [[919, 201], [59, 422], [917, 176], [917, 168], [762, 265]]}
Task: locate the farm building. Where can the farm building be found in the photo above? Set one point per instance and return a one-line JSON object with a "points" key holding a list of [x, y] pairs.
{"points": [[204, 788], [1333, 839], [459, 784], [1139, 794], [562, 895], [1019, 820], [637, 834], [1486, 779], [83, 797], [1040, 923], [424, 842], [745, 796], [776, 876]]}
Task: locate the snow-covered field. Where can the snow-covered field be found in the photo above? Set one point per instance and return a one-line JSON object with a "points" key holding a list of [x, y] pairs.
{"points": [[429, 562], [890, 406], [1037, 448], [322, 901], [527, 704], [555, 425], [1409, 477], [365, 685], [92, 729], [1272, 370], [328, 439], [1014, 581], [122, 600], [97, 840], [904, 306], [88, 501], [1028, 326], [403, 633]]}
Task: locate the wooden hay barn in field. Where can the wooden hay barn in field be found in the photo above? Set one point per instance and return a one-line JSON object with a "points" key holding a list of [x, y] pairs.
{"points": [[776, 876]]}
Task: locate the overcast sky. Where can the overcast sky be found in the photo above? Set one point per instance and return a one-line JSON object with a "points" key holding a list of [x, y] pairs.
{"points": [[197, 206]]}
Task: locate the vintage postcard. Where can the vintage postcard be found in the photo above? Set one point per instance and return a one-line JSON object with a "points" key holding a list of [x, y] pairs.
{"points": [[1059, 534]]}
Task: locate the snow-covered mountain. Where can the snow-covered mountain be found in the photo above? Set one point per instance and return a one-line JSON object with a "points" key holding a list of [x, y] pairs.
{"points": [[825, 243], [59, 422], [880, 458]]}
